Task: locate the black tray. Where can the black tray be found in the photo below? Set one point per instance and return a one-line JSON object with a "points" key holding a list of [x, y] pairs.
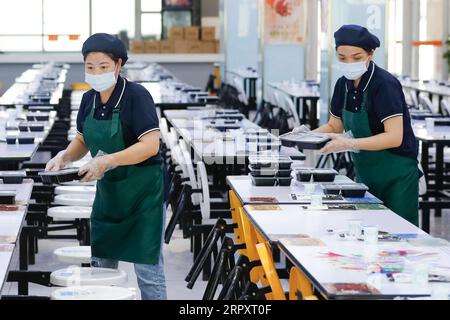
{"points": [[37, 117], [324, 175], [284, 182], [282, 162], [65, 175], [25, 140], [264, 181], [12, 177], [209, 99], [354, 190], [304, 141], [7, 197], [304, 175], [270, 172], [11, 140]]}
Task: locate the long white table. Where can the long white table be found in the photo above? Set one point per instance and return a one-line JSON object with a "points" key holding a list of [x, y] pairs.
{"points": [[11, 223], [14, 153], [208, 143], [294, 194], [345, 268]]}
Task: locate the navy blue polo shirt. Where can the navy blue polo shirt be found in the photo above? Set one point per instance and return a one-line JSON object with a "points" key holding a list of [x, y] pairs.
{"points": [[386, 100], [137, 112]]}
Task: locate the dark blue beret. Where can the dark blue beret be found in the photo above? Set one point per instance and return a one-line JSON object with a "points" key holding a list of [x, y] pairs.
{"points": [[356, 36], [103, 42]]}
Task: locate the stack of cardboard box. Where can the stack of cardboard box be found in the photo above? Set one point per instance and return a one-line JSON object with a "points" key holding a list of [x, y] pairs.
{"points": [[180, 40]]}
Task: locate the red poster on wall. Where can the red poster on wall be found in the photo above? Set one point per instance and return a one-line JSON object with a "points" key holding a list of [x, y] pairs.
{"points": [[285, 21]]}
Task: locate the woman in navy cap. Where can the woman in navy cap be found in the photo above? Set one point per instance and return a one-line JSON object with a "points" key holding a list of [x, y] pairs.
{"points": [[118, 124], [369, 105]]}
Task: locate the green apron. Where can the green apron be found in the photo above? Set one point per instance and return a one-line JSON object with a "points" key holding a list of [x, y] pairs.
{"points": [[126, 221], [392, 178]]}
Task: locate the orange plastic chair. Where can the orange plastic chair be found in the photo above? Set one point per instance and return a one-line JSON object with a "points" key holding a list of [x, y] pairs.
{"points": [[52, 37], [265, 255], [251, 240], [299, 286]]}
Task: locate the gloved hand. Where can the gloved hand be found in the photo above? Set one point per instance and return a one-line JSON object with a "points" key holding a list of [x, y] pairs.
{"points": [[97, 167], [301, 129], [58, 162], [340, 143]]}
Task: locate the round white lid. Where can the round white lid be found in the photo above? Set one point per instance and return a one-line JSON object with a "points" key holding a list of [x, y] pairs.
{"points": [[78, 254], [87, 276], [75, 199], [93, 293], [69, 212]]}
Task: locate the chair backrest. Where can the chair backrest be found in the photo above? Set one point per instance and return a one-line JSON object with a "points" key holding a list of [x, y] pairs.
{"points": [[408, 99], [164, 129], [265, 256], [291, 109], [242, 94], [426, 104], [251, 240], [202, 182], [445, 107], [299, 286], [415, 101]]}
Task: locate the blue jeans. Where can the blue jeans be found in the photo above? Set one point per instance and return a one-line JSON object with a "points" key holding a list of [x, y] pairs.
{"points": [[151, 278]]}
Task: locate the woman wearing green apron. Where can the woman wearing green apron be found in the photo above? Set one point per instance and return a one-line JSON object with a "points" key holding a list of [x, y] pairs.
{"points": [[368, 104], [117, 123]]}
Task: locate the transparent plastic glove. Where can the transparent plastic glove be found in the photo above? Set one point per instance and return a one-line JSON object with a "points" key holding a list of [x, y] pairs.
{"points": [[301, 129], [97, 167], [58, 162], [340, 143]]}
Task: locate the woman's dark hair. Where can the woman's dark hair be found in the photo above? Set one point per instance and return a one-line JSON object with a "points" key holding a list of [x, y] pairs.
{"points": [[369, 51], [110, 55]]}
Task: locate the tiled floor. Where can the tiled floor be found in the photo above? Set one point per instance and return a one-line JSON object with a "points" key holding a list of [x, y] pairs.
{"points": [[178, 260]]}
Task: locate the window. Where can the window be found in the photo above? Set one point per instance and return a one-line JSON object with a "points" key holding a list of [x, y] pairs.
{"points": [[431, 29], [112, 16], [64, 18], [15, 35], [395, 38], [62, 25], [151, 19]]}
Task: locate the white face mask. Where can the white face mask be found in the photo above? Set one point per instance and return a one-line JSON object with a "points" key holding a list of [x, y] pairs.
{"points": [[353, 71], [101, 82]]}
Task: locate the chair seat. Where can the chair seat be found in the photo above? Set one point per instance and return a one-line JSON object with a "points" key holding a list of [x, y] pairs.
{"points": [[87, 276], [94, 293], [74, 255], [82, 200], [75, 190], [69, 212]]}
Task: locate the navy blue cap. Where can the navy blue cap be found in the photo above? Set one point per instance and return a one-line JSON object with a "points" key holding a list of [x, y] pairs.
{"points": [[356, 36], [103, 42]]}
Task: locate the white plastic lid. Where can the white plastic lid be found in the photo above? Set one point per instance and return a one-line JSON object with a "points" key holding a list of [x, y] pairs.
{"points": [[75, 190], [69, 212], [87, 276], [74, 255], [94, 293], [83, 200]]}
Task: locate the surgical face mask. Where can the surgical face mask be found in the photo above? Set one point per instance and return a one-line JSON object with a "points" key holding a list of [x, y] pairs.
{"points": [[353, 71], [101, 82]]}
